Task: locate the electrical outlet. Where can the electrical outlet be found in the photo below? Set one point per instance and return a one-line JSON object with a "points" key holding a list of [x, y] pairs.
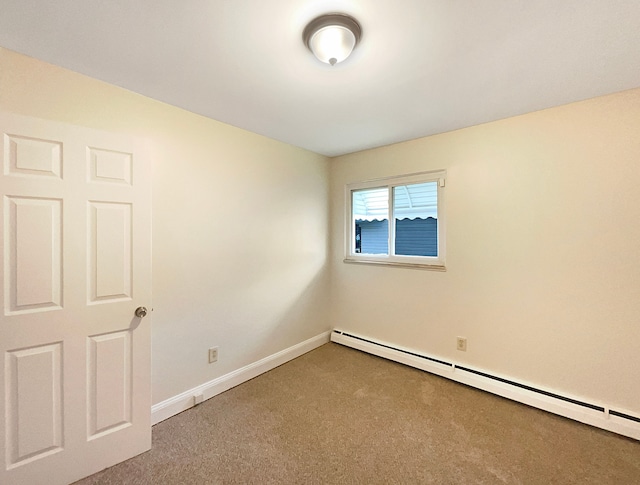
{"points": [[213, 355], [461, 344]]}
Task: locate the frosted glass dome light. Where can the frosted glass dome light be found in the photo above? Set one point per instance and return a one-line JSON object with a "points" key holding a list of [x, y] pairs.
{"points": [[332, 37]]}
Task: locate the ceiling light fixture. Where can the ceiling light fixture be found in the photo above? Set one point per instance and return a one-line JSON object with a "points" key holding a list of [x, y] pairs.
{"points": [[332, 37]]}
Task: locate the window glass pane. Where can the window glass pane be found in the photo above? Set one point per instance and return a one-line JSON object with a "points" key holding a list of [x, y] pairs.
{"points": [[415, 210], [370, 215]]}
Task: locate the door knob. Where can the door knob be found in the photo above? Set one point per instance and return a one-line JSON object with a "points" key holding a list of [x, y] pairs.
{"points": [[141, 312]]}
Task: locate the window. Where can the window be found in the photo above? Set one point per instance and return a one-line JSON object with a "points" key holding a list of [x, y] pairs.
{"points": [[398, 221]]}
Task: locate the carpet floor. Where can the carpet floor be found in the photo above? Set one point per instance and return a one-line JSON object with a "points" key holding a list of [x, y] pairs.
{"points": [[340, 416]]}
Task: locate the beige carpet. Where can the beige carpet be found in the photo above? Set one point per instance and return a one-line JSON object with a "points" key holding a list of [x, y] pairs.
{"points": [[339, 416]]}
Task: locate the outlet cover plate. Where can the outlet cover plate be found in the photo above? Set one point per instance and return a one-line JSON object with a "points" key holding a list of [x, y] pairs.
{"points": [[461, 344], [213, 355]]}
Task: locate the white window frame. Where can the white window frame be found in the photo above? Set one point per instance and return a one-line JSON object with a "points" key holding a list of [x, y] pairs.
{"points": [[424, 262]]}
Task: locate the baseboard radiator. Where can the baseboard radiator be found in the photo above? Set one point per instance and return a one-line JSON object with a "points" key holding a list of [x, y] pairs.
{"points": [[595, 414]]}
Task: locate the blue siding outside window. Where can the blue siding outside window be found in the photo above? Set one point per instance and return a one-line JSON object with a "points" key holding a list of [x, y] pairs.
{"points": [[417, 237], [414, 237], [374, 236]]}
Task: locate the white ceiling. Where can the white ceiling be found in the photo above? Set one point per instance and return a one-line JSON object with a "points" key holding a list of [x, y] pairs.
{"points": [[423, 66]]}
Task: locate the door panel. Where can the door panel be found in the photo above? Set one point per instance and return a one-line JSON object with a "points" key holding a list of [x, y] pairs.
{"points": [[32, 156], [34, 398], [33, 254], [76, 249], [110, 166], [110, 264], [109, 385]]}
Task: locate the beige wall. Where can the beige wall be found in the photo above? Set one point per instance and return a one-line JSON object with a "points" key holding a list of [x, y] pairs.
{"points": [[240, 224], [543, 250], [543, 258]]}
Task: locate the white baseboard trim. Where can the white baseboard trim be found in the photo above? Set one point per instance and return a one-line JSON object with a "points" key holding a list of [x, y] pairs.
{"points": [[599, 415], [183, 401]]}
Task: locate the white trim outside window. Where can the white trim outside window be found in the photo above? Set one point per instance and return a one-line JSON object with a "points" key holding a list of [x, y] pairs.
{"points": [[382, 219]]}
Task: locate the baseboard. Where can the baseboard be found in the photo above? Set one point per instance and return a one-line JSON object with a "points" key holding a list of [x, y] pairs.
{"points": [[174, 405], [617, 420]]}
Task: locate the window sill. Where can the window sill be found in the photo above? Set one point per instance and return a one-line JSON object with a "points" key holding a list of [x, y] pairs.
{"points": [[424, 266]]}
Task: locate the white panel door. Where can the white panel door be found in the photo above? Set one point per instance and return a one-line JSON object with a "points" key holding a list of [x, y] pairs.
{"points": [[76, 263]]}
